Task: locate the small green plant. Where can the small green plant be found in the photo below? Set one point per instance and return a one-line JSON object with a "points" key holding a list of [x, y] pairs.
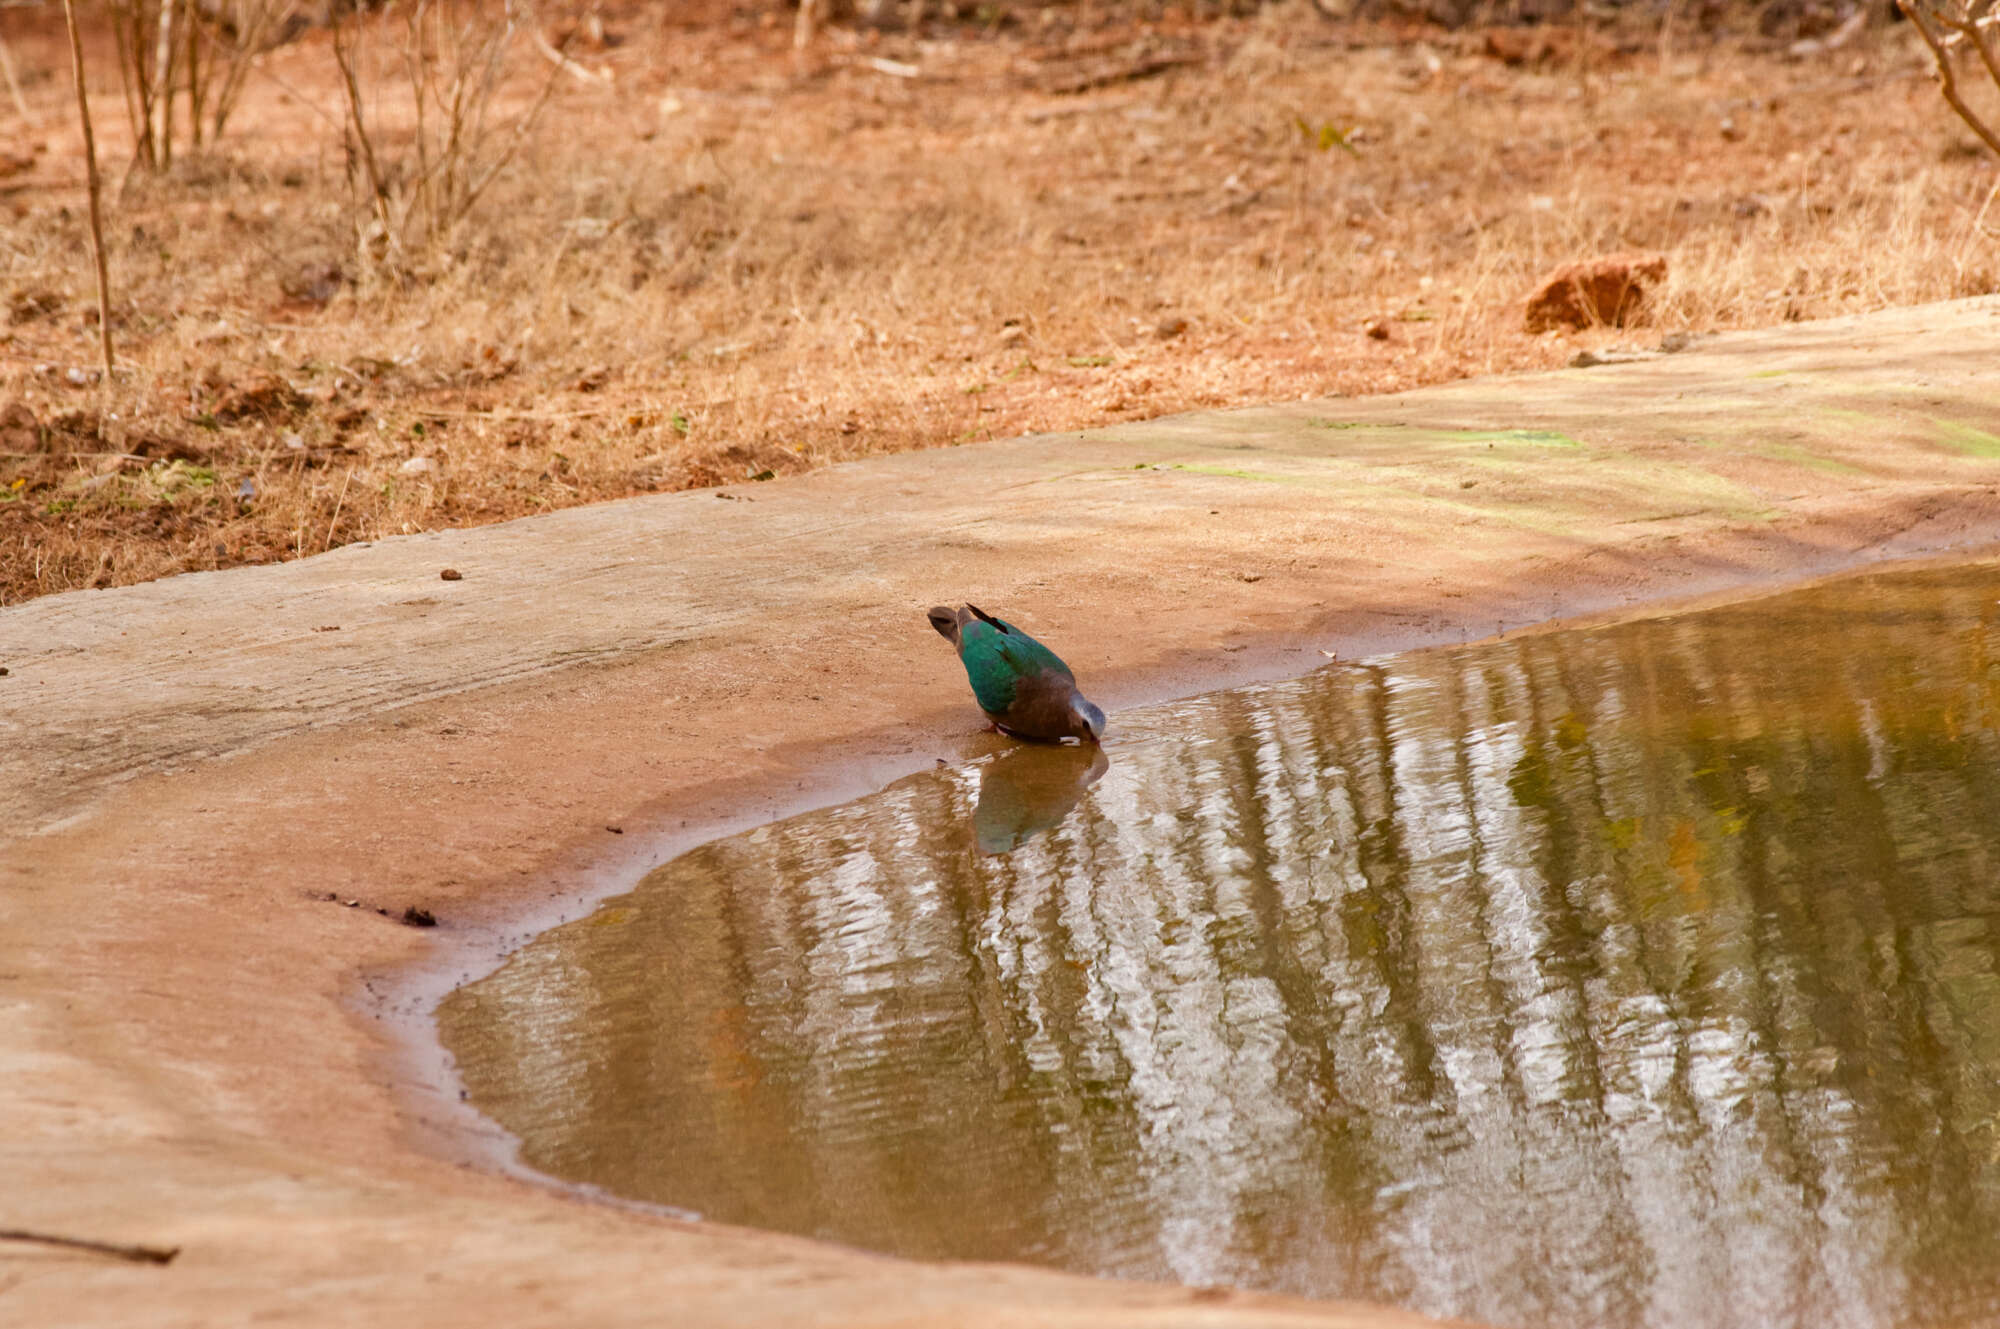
{"points": [[1326, 136]]}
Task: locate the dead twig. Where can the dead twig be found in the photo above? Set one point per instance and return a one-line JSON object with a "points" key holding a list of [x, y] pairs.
{"points": [[596, 78], [1127, 72], [96, 191], [440, 413], [116, 1249], [893, 68], [13, 187], [122, 456], [334, 520]]}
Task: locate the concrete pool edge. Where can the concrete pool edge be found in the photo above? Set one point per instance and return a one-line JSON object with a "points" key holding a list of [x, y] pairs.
{"points": [[186, 1063]]}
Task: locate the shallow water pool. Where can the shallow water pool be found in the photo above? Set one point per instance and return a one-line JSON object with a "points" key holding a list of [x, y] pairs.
{"points": [[1636, 976]]}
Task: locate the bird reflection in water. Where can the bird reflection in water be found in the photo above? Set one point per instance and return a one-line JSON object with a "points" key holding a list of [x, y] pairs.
{"points": [[1028, 790]]}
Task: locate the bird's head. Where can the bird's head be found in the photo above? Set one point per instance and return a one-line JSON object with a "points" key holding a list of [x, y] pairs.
{"points": [[1086, 720]]}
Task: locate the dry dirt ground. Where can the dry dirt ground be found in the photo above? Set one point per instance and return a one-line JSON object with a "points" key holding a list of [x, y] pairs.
{"points": [[203, 1045], [714, 260]]}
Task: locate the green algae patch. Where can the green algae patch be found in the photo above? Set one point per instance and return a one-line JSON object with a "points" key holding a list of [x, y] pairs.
{"points": [[1531, 438], [1400, 485], [1789, 453], [1966, 439], [1244, 473], [1536, 438]]}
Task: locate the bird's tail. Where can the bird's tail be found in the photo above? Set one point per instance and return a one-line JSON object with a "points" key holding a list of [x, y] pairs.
{"points": [[946, 622]]}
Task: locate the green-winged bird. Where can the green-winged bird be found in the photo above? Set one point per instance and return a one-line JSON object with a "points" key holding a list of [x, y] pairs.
{"points": [[1023, 686]]}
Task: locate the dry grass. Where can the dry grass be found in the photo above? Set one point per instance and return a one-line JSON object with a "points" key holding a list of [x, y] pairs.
{"points": [[721, 265]]}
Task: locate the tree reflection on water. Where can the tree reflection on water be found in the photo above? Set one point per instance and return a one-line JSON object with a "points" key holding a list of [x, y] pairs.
{"points": [[1636, 976]]}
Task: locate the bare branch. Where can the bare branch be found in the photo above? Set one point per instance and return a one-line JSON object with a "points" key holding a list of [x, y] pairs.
{"points": [[1921, 18], [522, 127], [1975, 31], [165, 63], [96, 192], [117, 1249], [357, 127], [569, 66]]}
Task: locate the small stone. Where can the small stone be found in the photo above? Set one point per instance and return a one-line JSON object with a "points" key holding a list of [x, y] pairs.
{"points": [[417, 466], [419, 918], [615, 830], [1170, 327], [451, 574], [3, 671], [1013, 334], [1377, 328], [1610, 355]]}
